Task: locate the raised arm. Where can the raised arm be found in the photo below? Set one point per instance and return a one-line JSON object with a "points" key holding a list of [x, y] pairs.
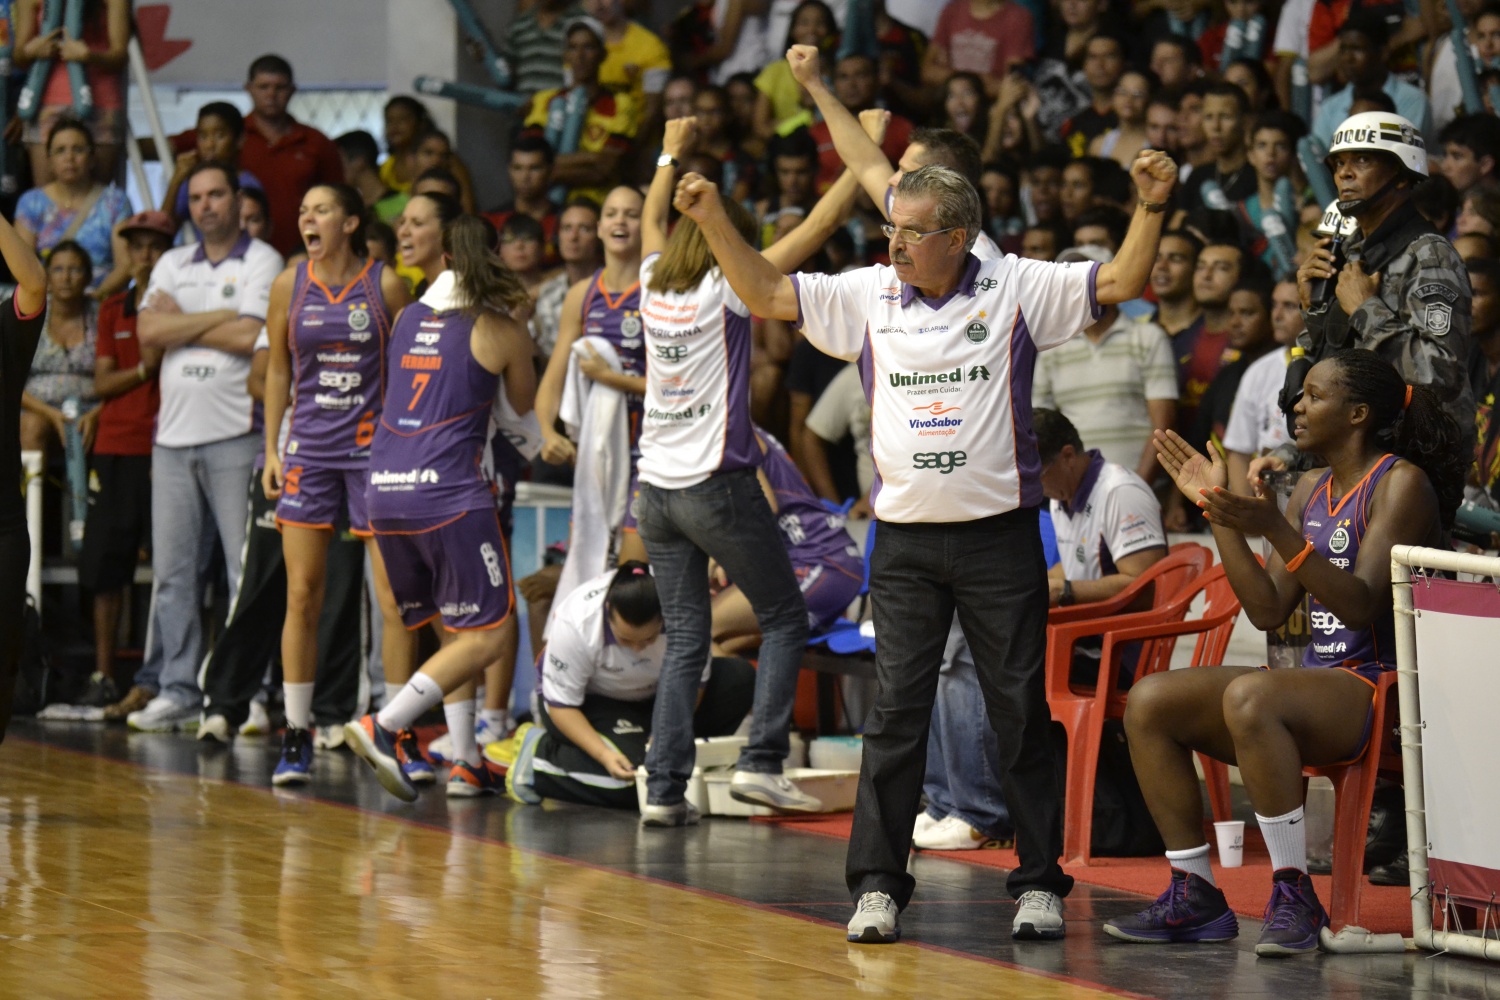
{"points": [[676, 142], [31, 277], [758, 282], [556, 448], [861, 155], [831, 211], [1124, 278]]}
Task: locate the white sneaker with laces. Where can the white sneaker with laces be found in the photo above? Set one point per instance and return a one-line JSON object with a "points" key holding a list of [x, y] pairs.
{"points": [[163, 715], [214, 727], [950, 834], [259, 723], [876, 920], [328, 737], [774, 790], [1039, 917], [683, 813]]}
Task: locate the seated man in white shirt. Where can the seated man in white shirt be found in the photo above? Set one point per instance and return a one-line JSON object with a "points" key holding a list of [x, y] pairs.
{"points": [[1108, 525], [1256, 423]]}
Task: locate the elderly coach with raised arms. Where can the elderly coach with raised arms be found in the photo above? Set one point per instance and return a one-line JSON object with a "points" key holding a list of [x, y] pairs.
{"points": [[942, 331]]}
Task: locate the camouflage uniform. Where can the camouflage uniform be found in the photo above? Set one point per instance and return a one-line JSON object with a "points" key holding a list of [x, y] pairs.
{"points": [[1418, 319]]}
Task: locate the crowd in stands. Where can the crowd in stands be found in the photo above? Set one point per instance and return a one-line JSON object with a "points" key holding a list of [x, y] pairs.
{"points": [[149, 363]]}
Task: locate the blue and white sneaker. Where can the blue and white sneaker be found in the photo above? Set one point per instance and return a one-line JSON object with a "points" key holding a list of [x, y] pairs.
{"points": [[376, 745], [518, 776], [414, 762], [295, 765]]}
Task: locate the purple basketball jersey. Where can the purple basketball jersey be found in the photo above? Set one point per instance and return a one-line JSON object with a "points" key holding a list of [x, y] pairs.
{"points": [[338, 342], [1336, 532], [812, 533], [426, 459], [618, 320]]}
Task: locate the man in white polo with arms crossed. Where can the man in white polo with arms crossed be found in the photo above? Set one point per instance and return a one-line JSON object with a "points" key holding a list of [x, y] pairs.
{"points": [[958, 513]]}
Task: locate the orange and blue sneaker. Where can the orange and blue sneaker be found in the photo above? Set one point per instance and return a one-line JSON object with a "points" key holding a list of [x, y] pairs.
{"points": [[1294, 917], [414, 762], [1192, 909], [376, 745], [470, 781]]}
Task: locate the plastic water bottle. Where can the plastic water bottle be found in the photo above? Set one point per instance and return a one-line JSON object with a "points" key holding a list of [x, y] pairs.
{"points": [[77, 463]]}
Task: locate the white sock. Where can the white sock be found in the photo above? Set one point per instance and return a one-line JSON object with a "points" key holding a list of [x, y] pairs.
{"points": [[1194, 862], [497, 719], [391, 691], [415, 697], [298, 699], [460, 716], [1286, 839]]}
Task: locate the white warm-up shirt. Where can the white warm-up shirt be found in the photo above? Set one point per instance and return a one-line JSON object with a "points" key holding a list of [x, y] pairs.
{"points": [[697, 420], [1256, 423], [949, 380], [1114, 514], [203, 393], [582, 657]]}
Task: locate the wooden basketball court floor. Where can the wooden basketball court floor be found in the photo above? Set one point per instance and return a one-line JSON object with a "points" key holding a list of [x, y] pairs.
{"points": [[136, 865]]}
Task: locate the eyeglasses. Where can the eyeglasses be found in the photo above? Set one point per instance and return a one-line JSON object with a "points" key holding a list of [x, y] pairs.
{"points": [[910, 236]]}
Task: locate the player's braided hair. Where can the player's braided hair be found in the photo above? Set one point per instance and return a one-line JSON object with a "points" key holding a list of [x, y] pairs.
{"points": [[1420, 431]]}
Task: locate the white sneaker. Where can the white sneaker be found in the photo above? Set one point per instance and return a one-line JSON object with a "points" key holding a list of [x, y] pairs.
{"points": [[163, 715], [328, 737], [440, 748], [774, 790], [684, 813], [259, 723], [875, 921], [214, 727], [951, 834], [1039, 917], [925, 822]]}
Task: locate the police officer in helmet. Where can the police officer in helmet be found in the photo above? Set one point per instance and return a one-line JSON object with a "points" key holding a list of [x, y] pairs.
{"points": [[1395, 286]]}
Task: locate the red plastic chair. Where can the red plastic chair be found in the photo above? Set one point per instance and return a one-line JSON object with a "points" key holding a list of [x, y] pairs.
{"points": [[1353, 794], [1168, 575], [1072, 707]]}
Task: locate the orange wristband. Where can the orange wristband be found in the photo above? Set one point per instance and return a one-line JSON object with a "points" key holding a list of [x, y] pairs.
{"points": [[1295, 563]]}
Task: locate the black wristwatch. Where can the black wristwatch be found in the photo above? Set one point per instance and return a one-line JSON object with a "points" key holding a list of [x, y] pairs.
{"points": [[1066, 597]]}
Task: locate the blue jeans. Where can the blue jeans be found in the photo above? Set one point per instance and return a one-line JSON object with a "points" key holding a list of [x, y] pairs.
{"points": [[725, 517], [195, 491], [962, 752]]}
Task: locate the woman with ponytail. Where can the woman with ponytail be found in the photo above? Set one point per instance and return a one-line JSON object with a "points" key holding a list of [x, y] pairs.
{"points": [[1394, 471], [431, 503], [327, 326], [599, 672]]}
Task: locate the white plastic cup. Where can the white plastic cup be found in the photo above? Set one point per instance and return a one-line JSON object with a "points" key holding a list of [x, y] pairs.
{"points": [[1231, 835]]}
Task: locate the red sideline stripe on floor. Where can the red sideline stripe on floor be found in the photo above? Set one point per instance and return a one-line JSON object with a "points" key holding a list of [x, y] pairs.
{"points": [[1382, 908]]}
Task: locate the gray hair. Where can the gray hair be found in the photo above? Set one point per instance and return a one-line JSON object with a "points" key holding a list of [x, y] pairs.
{"points": [[957, 201]]}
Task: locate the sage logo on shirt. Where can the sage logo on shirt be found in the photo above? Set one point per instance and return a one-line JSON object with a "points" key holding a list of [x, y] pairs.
{"points": [[342, 381], [671, 353], [200, 372], [943, 461], [1325, 621], [985, 285]]}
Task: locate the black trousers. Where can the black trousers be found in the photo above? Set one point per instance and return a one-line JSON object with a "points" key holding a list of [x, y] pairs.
{"points": [[993, 573], [15, 560], [235, 669], [567, 772]]}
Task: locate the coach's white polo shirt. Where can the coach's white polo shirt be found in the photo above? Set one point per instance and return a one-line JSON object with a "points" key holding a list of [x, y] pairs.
{"points": [[949, 380], [203, 394]]}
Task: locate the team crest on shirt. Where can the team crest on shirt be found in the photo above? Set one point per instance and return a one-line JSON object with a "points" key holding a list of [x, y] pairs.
{"points": [[228, 290], [630, 326], [977, 332], [1339, 540], [359, 317]]}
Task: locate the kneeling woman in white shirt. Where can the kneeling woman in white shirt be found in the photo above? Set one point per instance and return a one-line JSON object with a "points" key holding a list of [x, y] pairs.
{"points": [[598, 689]]}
